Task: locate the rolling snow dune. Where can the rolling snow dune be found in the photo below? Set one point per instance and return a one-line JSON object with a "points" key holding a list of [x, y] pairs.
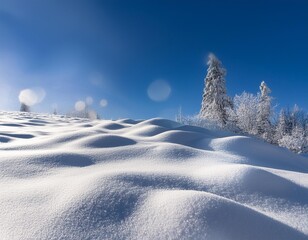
{"points": [[70, 178]]}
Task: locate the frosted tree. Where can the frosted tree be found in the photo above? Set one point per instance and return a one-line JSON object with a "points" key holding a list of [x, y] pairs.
{"points": [[24, 107], [294, 117], [305, 149], [289, 120], [298, 117], [299, 139], [296, 142], [282, 126], [246, 106], [264, 127], [179, 116], [232, 123], [215, 101], [291, 130]]}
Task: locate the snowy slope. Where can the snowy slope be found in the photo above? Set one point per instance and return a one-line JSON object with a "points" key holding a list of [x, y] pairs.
{"points": [[76, 179]]}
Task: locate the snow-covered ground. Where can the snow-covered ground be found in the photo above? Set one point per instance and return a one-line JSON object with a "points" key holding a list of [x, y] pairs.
{"points": [[66, 178]]}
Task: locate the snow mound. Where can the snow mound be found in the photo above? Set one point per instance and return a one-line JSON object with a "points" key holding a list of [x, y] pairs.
{"points": [[103, 141], [70, 178], [161, 122], [111, 126], [146, 130]]}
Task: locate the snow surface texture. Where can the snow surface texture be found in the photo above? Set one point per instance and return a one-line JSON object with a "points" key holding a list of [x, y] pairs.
{"points": [[69, 178]]}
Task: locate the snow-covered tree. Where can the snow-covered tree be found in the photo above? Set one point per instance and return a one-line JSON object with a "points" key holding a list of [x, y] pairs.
{"points": [[179, 116], [215, 101], [291, 130], [282, 128], [295, 117], [246, 106], [296, 141], [24, 107], [305, 149], [264, 128], [232, 123]]}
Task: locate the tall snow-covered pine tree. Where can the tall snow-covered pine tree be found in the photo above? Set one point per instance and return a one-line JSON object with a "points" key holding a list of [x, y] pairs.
{"points": [[215, 101], [264, 127]]}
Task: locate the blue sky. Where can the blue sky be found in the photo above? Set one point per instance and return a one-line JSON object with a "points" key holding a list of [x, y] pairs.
{"points": [[114, 50]]}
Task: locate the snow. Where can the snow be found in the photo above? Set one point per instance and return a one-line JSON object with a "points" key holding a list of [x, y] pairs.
{"points": [[71, 178]]}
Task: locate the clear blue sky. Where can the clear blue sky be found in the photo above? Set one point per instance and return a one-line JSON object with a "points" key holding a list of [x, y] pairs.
{"points": [[114, 50]]}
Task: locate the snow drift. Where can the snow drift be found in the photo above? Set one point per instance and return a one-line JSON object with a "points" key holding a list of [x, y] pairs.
{"points": [[69, 178]]}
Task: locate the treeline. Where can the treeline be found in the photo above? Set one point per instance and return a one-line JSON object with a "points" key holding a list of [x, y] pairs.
{"points": [[248, 113]]}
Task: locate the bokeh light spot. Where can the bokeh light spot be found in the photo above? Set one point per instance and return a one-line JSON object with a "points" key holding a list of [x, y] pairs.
{"points": [[103, 103], [31, 97], [159, 90], [80, 106]]}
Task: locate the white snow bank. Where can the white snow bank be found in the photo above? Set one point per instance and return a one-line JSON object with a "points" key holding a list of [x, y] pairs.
{"points": [[69, 178]]}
